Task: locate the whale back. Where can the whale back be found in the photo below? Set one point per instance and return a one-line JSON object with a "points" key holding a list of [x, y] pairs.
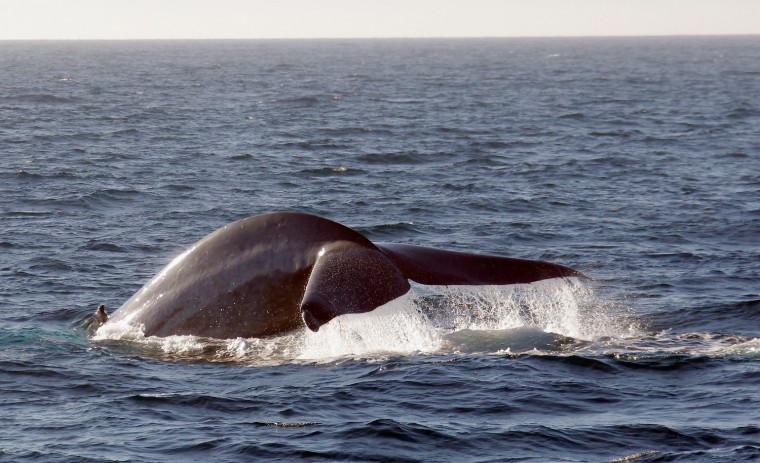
{"points": [[246, 279]]}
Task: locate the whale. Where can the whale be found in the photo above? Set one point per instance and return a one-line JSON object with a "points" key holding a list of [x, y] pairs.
{"points": [[277, 272]]}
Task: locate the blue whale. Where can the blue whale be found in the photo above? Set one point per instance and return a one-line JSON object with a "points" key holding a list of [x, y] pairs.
{"points": [[273, 273]]}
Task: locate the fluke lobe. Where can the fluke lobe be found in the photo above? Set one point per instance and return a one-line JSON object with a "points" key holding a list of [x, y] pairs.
{"points": [[272, 273]]}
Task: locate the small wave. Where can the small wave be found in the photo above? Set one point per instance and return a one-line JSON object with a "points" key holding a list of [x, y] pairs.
{"points": [[131, 131], [743, 113], [13, 141], [39, 98], [608, 101], [393, 430], [65, 202], [28, 214], [314, 145], [178, 187], [581, 362], [671, 362], [402, 101], [573, 116], [12, 368], [331, 171], [734, 155], [108, 196], [29, 175], [612, 133], [241, 157], [346, 131], [635, 456], [68, 137], [743, 72], [462, 131], [281, 67], [489, 162], [58, 174], [388, 230], [715, 318], [669, 351], [497, 144], [404, 157], [286, 424], [63, 174], [95, 245], [49, 263], [465, 187], [680, 256], [300, 101], [205, 401]]}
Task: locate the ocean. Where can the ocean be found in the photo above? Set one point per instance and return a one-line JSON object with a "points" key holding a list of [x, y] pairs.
{"points": [[633, 160]]}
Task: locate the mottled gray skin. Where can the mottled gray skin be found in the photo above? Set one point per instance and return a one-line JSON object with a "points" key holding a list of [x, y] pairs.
{"points": [[272, 273]]}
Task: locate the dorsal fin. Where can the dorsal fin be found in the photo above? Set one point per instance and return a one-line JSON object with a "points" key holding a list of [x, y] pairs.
{"points": [[350, 278], [435, 267]]}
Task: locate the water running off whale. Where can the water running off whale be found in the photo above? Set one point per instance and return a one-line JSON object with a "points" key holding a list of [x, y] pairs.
{"points": [[273, 273]]}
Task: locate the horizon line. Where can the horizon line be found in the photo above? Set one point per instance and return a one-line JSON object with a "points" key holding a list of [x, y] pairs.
{"points": [[432, 37]]}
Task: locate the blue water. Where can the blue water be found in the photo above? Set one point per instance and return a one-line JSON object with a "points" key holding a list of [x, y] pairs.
{"points": [[633, 160]]}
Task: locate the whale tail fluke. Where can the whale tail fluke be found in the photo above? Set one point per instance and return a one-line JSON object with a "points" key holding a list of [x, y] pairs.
{"points": [[353, 279], [431, 266], [350, 279]]}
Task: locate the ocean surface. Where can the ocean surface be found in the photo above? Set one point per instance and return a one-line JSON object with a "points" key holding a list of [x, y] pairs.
{"points": [[633, 160]]}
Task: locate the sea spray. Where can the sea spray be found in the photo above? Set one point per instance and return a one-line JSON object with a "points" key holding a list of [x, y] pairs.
{"points": [[563, 306], [398, 327]]}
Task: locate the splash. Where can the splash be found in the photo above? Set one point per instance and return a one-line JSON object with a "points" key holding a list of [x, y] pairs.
{"points": [[172, 346], [398, 327], [428, 319], [566, 307], [119, 330], [124, 336]]}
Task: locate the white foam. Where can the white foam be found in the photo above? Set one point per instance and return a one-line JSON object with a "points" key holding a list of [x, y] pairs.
{"points": [[276, 349], [667, 343], [260, 351], [750, 348], [174, 346], [119, 330], [710, 345], [397, 327]]}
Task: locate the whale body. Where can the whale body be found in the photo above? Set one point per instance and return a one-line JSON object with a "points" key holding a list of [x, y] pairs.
{"points": [[276, 272]]}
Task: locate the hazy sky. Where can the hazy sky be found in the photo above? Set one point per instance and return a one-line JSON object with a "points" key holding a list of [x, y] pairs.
{"points": [[171, 19]]}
